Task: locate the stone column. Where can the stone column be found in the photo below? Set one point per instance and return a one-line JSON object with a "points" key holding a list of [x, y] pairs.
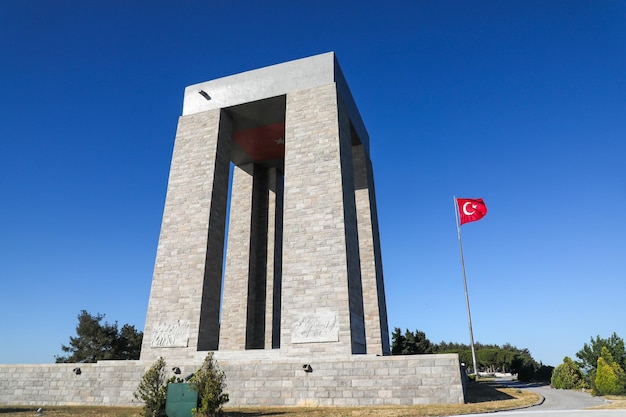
{"points": [[257, 274], [274, 260], [235, 300], [244, 311], [374, 304], [322, 307], [183, 311]]}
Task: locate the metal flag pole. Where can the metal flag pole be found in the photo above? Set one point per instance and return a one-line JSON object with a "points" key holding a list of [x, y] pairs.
{"points": [[469, 316]]}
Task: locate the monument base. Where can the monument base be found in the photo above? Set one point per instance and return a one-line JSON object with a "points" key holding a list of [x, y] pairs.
{"points": [[253, 379]]}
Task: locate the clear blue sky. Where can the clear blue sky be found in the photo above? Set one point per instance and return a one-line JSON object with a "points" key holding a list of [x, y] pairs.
{"points": [[522, 103]]}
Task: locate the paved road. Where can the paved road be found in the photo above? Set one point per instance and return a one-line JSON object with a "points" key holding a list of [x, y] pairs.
{"points": [[554, 413], [557, 403], [559, 399]]}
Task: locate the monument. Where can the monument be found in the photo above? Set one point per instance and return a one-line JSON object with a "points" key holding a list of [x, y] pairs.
{"points": [[303, 267], [269, 256]]}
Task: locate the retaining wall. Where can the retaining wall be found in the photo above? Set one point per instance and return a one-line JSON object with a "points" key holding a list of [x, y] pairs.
{"points": [[357, 380]]}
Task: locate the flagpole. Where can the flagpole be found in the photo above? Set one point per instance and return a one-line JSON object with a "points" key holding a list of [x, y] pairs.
{"points": [[469, 316]]}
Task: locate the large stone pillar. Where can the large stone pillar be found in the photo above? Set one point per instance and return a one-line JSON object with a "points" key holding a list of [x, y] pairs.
{"points": [[374, 304], [235, 302], [184, 306], [251, 268], [322, 308], [274, 260]]}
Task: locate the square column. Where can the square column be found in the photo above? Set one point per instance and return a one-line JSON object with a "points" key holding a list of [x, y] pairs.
{"points": [[183, 311], [374, 304], [322, 308], [247, 313], [233, 324], [274, 260]]}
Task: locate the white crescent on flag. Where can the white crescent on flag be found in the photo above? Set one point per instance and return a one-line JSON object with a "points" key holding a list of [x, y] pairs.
{"points": [[470, 209], [467, 213]]}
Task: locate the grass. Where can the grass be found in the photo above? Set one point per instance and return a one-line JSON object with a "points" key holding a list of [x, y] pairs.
{"points": [[481, 397], [617, 402]]}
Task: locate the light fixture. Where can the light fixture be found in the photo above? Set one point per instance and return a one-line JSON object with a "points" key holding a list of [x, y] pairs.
{"points": [[307, 368], [76, 371], [176, 370]]}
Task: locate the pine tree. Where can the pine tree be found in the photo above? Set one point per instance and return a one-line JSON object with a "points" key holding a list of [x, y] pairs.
{"points": [[95, 341], [209, 382], [152, 390]]}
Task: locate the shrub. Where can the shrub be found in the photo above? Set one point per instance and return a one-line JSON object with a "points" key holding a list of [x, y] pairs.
{"points": [[609, 375], [567, 375], [209, 383], [152, 389]]}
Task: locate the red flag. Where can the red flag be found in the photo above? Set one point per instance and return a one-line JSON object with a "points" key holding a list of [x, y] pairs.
{"points": [[471, 209], [263, 143]]}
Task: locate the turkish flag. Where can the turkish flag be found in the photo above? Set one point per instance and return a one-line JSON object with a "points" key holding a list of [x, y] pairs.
{"points": [[471, 209]]}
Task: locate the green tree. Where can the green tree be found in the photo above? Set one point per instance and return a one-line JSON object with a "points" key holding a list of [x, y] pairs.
{"points": [[209, 382], [589, 354], [397, 341], [489, 357], [610, 377], [544, 373], [95, 341], [411, 343], [567, 375], [492, 358], [525, 367], [152, 389]]}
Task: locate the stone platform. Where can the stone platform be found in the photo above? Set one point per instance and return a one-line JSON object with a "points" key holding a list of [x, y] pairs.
{"points": [[258, 380]]}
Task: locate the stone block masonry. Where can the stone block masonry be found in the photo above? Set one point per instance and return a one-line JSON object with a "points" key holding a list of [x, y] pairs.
{"points": [[321, 267], [266, 380], [103, 383]]}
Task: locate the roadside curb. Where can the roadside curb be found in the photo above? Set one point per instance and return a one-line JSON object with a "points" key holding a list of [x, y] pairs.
{"points": [[524, 407]]}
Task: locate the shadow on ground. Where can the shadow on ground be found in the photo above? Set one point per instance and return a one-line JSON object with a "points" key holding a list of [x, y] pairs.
{"points": [[484, 391], [8, 410], [251, 413]]}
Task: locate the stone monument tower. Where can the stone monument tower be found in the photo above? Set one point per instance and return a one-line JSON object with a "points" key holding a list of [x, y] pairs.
{"points": [[288, 293], [283, 151]]}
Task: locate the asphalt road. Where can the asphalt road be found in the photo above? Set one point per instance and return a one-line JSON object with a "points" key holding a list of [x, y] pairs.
{"points": [[559, 399], [557, 403]]}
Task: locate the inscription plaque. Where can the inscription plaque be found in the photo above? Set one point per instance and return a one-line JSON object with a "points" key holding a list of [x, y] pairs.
{"points": [[170, 334], [315, 328]]}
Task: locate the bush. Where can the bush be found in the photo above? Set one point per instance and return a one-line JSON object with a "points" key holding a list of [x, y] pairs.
{"points": [[152, 389], [567, 375], [209, 383], [609, 375]]}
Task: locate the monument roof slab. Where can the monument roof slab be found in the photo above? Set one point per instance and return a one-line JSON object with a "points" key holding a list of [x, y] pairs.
{"points": [[272, 81]]}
